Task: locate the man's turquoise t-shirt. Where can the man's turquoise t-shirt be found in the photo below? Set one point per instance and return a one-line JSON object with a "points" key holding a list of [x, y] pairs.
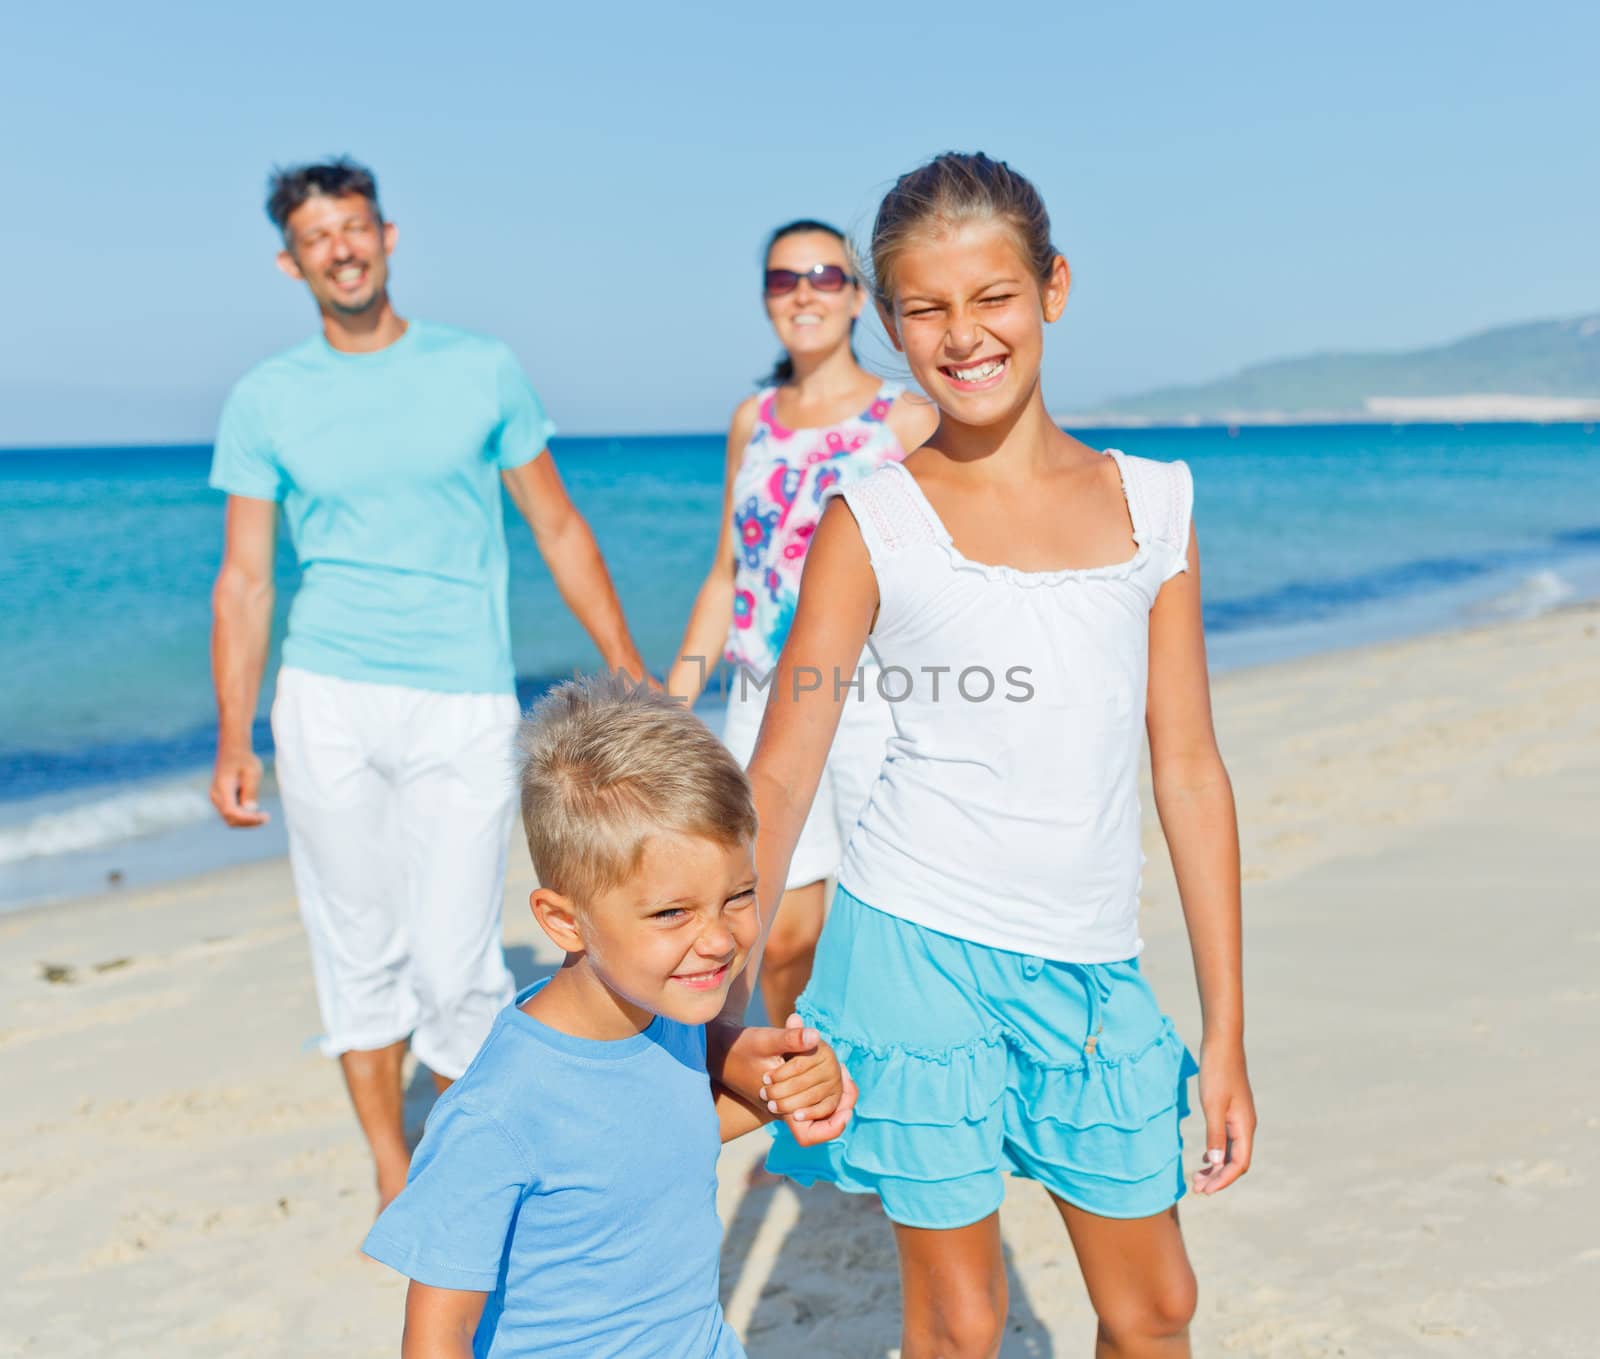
{"points": [[388, 468]]}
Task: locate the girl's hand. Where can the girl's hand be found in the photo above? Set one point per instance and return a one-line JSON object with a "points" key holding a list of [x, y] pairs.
{"points": [[817, 1130], [1230, 1113], [806, 1086]]}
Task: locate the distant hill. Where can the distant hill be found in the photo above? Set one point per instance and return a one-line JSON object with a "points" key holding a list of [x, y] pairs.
{"points": [[1538, 370]]}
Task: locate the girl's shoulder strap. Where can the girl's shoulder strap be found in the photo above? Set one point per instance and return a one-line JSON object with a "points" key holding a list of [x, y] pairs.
{"points": [[1161, 504], [891, 512]]}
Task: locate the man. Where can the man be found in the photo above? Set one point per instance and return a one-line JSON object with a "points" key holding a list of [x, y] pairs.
{"points": [[385, 442]]}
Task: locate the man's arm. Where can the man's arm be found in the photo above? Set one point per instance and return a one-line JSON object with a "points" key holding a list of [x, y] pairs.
{"points": [[440, 1322], [241, 627], [570, 551]]}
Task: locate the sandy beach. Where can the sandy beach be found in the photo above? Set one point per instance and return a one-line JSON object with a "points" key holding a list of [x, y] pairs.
{"points": [[182, 1175]]}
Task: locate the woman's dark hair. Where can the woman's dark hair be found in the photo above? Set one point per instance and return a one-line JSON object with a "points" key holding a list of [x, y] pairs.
{"points": [[783, 369], [290, 186]]}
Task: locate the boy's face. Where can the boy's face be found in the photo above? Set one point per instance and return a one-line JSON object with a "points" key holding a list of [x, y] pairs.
{"points": [[671, 939]]}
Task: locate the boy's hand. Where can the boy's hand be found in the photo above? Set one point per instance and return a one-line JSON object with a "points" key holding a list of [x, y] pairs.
{"points": [[807, 1086]]}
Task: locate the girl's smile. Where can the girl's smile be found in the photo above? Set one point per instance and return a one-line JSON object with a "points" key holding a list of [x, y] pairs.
{"points": [[969, 315]]}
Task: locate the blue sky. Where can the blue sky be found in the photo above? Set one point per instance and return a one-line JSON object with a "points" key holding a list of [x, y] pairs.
{"points": [[1231, 182]]}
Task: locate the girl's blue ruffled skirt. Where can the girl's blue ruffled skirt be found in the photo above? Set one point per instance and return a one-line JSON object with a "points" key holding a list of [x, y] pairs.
{"points": [[974, 1062]]}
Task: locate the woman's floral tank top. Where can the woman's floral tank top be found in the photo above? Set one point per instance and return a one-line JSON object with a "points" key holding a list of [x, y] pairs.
{"points": [[779, 491]]}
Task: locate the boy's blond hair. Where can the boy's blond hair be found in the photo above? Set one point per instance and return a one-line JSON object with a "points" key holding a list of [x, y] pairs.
{"points": [[606, 763]]}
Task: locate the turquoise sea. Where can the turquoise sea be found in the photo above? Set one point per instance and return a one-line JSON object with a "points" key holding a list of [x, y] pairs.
{"points": [[1312, 538]]}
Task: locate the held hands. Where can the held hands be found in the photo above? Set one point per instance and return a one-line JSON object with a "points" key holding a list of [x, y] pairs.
{"points": [[791, 1072], [1230, 1113], [812, 1092], [235, 782]]}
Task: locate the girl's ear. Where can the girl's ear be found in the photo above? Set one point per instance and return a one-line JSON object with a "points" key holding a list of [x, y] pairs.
{"points": [[887, 317], [1056, 287], [557, 917]]}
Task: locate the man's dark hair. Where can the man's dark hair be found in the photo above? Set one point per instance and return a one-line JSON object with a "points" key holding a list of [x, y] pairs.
{"points": [[290, 186]]}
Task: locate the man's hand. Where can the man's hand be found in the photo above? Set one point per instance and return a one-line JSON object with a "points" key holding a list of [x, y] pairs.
{"points": [[235, 782]]}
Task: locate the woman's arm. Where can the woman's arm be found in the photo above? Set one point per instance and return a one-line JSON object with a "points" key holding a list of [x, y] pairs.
{"points": [[707, 628], [1195, 803]]}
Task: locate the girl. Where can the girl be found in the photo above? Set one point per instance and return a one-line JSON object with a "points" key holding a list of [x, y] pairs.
{"points": [[821, 422], [1034, 603]]}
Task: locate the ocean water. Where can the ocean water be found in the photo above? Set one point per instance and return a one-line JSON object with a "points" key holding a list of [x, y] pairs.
{"points": [[1312, 538]]}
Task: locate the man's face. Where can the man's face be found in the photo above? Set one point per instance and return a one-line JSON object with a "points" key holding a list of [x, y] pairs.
{"points": [[340, 250]]}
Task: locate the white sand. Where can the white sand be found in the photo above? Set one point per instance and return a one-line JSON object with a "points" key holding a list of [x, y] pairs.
{"points": [[180, 1174]]}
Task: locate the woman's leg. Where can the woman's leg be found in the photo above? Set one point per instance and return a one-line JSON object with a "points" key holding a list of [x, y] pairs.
{"points": [[1139, 1281], [791, 947], [953, 1286]]}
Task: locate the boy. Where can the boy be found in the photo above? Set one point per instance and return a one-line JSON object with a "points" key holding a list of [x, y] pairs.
{"points": [[563, 1198]]}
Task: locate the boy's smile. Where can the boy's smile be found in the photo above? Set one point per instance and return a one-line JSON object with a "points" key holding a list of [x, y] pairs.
{"points": [[668, 940]]}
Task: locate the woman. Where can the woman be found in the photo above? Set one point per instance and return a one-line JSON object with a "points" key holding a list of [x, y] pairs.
{"points": [[819, 423]]}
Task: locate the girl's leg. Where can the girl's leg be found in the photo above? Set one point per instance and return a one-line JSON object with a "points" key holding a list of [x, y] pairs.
{"points": [[1139, 1281], [791, 947], [953, 1284]]}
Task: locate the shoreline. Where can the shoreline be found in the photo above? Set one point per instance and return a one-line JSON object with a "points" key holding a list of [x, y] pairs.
{"points": [[1469, 410], [184, 1155], [146, 861]]}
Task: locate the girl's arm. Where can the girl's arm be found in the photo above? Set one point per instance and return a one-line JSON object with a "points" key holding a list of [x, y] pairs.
{"points": [[1195, 803], [707, 628], [838, 600], [440, 1322]]}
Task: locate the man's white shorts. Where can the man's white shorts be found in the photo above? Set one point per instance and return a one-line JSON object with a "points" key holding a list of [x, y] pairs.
{"points": [[859, 745], [399, 804]]}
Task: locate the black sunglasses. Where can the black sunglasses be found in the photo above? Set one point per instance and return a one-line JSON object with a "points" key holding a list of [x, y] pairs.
{"points": [[825, 278]]}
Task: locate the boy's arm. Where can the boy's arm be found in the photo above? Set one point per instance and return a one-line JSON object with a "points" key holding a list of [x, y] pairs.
{"points": [[440, 1322], [735, 1116]]}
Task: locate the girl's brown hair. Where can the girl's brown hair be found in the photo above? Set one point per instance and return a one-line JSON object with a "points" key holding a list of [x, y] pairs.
{"points": [[950, 191]]}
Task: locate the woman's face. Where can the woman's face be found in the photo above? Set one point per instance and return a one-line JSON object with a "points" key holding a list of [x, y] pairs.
{"points": [[969, 315], [809, 322]]}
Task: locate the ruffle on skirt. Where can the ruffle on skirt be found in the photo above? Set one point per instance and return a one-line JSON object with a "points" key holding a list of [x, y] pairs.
{"points": [[1100, 1131]]}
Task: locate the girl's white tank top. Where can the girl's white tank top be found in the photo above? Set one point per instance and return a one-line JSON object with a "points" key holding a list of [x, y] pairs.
{"points": [[1007, 808]]}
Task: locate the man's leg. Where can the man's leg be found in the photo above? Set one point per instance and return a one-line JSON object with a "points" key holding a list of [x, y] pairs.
{"points": [[339, 810], [373, 1078], [457, 810]]}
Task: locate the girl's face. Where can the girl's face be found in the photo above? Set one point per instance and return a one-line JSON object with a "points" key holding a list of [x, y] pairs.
{"points": [[810, 322], [969, 315]]}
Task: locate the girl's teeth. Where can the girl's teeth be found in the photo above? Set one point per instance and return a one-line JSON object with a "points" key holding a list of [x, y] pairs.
{"points": [[982, 371]]}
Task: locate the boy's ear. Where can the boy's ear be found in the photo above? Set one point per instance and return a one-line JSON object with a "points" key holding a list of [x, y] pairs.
{"points": [[558, 918]]}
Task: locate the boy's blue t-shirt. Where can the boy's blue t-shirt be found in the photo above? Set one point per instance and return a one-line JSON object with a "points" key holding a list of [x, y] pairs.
{"points": [[388, 468], [575, 1182]]}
